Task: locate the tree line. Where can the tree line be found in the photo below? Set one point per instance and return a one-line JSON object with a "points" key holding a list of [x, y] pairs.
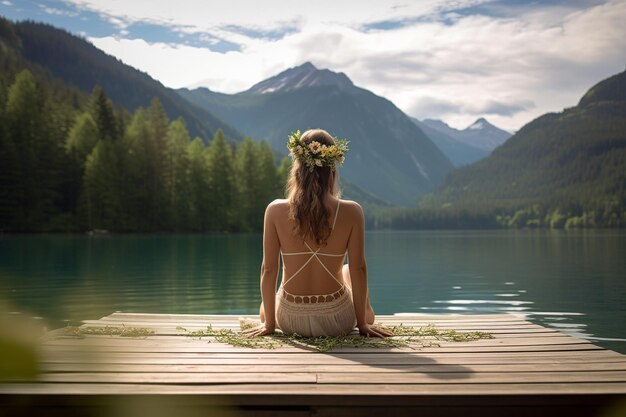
{"points": [[98, 167], [563, 214], [71, 162]]}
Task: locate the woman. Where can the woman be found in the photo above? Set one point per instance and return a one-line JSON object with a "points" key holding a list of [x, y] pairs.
{"points": [[313, 230]]}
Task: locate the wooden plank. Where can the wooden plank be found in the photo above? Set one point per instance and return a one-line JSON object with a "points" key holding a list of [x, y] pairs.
{"points": [[196, 326], [59, 334], [385, 355], [517, 330], [215, 323], [334, 378], [281, 393], [217, 347], [459, 327], [186, 342], [235, 317], [180, 378], [327, 368], [470, 378], [377, 360], [446, 325]]}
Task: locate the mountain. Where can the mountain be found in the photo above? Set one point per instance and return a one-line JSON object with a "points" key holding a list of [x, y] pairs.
{"points": [[571, 162], [77, 62], [611, 89], [458, 152], [389, 157], [480, 134], [305, 75]]}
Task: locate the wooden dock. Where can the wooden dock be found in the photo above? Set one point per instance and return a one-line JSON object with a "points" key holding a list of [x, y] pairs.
{"points": [[526, 369]]}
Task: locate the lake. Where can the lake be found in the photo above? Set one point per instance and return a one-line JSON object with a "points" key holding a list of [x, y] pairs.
{"points": [[574, 281]]}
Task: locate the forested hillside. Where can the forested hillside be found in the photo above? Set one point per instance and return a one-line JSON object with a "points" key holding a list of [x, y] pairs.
{"points": [[68, 167], [563, 169], [78, 63]]}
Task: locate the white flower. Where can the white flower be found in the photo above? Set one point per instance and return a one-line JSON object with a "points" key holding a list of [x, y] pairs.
{"points": [[314, 146], [318, 162], [299, 149]]}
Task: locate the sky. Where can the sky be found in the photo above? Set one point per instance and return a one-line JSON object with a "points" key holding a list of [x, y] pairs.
{"points": [[507, 60]]}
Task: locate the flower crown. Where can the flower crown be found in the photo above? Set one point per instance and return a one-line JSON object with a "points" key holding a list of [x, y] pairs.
{"points": [[314, 154]]}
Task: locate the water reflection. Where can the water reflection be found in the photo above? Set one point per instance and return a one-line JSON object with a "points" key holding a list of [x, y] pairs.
{"points": [[570, 281]]}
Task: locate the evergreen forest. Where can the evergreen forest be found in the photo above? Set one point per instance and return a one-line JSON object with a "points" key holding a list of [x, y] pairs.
{"points": [[71, 165]]}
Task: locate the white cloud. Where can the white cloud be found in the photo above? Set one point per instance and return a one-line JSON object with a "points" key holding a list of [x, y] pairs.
{"points": [[201, 15], [59, 12], [510, 69]]}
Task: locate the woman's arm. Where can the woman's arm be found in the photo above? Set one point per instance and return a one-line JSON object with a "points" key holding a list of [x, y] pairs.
{"points": [[358, 276], [269, 267], [358, 266]]}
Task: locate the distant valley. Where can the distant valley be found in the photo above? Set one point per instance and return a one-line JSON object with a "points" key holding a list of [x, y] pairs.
{"points": [[465, 146]]}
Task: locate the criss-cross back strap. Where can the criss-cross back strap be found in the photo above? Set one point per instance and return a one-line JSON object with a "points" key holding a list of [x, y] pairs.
{"points": [[314, 254]]}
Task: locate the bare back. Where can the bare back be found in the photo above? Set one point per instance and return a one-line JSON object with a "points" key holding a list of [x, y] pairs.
{"points": [[314, 278]]}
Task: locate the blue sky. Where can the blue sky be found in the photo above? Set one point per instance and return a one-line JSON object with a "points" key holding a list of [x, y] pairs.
{"points": [[509, 61]]}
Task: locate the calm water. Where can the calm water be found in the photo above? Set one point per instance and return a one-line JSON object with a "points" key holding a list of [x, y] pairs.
{"points": [[574, 281]]}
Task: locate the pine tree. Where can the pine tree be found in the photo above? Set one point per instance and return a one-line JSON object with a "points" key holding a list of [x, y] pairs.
{"points": [[283, 175], [199, 201], [102, 112], [82, 138], [268, 183], [177, 173], [101, 200], [28, 137], [158, 127], [137, 200], [9, 178], [102, 184], [248, 184], [222, 189]]}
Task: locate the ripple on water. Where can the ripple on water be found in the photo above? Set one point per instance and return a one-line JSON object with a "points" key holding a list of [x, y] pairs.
{"points": [[506, 302]]}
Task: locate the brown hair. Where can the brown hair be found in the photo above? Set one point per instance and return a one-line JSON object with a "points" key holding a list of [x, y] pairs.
{"points": [[306, 192]]}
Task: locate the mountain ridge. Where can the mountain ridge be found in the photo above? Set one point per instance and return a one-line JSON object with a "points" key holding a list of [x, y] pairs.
{"points": [[301, 76], [479, 134], [407, 162], [562, 169], [76, 61], [609, 89], [458, 152]]}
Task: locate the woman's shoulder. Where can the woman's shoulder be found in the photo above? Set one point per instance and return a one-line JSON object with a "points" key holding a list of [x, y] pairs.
{"points": [[353, 208], [276, 205], [283, 202], [279, 208], [278, 202], [351, 203]]}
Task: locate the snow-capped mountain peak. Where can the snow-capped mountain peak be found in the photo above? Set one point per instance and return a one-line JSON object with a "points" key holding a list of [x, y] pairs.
{"points": [[479, 124], [480, 134], [302, 76]]}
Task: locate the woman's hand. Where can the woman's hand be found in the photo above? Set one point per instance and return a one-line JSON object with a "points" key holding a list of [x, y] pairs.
{"points": [[368, 330], [260, 330]]}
